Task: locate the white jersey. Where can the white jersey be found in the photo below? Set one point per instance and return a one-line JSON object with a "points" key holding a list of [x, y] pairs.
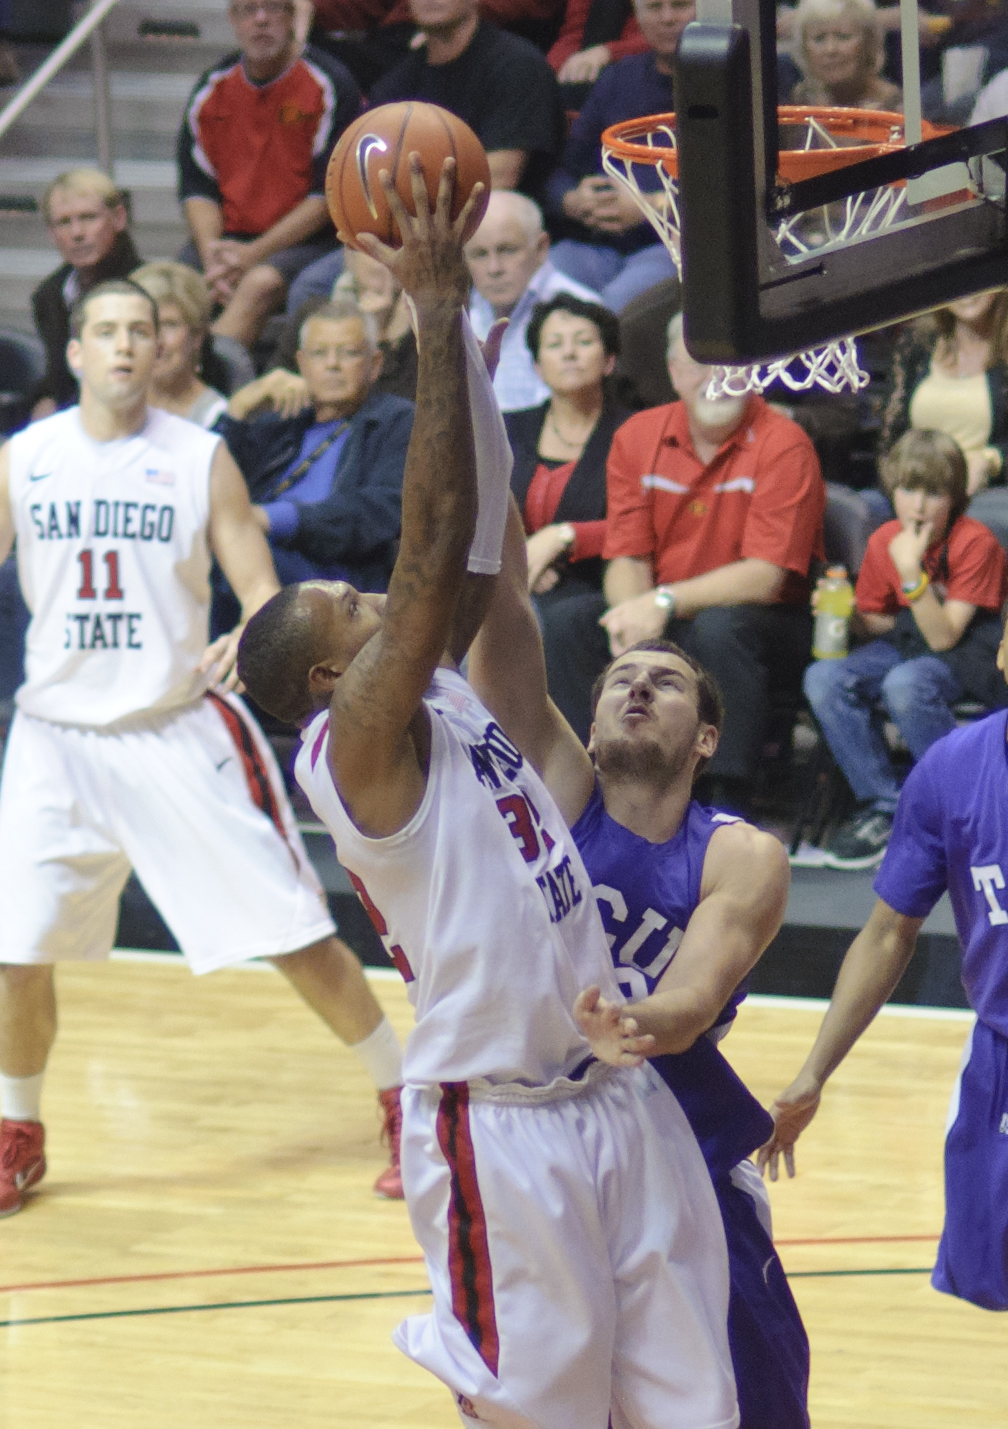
{"points": [[482, 902], [114, 563]]}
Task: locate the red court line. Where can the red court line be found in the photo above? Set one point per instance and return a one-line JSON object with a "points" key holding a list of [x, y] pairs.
{"points": [[858, 1239], [387, 1260], [202, 1274]]}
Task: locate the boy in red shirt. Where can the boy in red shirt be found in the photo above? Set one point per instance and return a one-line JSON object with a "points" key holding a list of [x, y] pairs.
{"points": [[930, 590]]}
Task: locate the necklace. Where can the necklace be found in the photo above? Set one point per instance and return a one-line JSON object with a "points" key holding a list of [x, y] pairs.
{"points": [[578, 441]]}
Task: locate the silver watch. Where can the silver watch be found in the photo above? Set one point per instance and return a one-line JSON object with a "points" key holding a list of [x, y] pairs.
{"points": [[665, 600]]}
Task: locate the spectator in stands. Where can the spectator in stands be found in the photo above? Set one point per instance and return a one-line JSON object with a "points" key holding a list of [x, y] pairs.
{"points": [[930, 591], [500, 84], [184, 306], [838, 46], [87, 219], [508, 257], [594, 33], [478, 72], [373, 36], [950, 374], [252, 153], [715, 511], [560, 450], [327, 481], [371, 286], [610, 247]]}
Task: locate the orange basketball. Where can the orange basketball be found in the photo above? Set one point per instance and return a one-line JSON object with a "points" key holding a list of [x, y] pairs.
{"points": [[384, 138]]}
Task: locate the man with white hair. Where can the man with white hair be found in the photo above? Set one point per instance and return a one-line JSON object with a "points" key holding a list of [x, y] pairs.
{"points": [[715, 512], [508, 258]]}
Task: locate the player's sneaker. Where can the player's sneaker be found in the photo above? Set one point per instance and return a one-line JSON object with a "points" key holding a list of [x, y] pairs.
{"points": [[861, 842], [22, 1162], [389, 1183]]}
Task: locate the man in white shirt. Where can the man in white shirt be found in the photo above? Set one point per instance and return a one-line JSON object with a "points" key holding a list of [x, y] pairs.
{"points": [[508, 259]]}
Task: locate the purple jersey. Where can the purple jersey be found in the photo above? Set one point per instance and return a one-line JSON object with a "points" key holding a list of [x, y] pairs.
{"points": [[647, 892], [951, 831]]}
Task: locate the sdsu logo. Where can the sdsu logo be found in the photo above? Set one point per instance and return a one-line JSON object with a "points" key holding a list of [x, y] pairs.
{"points": [[467, 1407]]}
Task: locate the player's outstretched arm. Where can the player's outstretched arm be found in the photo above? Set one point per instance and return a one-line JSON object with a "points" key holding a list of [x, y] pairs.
{"points": [[875, 962], [244, 555], [507, 670], [6, 514], [379, 742], [743, 895]]}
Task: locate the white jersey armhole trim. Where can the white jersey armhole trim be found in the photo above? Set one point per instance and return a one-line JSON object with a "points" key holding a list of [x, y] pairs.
{"points": [[412, 828]]}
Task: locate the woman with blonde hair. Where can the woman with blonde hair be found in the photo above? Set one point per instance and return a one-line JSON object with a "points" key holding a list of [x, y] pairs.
{"points": [[950, 374], [838, 46], [184, 306]]}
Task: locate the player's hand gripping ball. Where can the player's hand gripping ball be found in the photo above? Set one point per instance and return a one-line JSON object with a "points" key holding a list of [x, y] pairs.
{"points": [[383, 138]]}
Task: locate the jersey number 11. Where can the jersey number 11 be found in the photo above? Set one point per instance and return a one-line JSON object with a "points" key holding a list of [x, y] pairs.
{"points": [[113, 590]]}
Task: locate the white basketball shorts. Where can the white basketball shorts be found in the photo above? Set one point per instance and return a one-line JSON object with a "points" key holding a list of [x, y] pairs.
{"points": [[194, 801], [577, 1258]]}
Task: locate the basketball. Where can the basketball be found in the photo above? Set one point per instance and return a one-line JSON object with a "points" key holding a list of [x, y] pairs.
{"points": [[384, 138]]}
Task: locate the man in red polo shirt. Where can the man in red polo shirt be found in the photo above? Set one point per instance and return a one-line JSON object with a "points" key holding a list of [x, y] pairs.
{"points": [[715, 512], [252, 154]]}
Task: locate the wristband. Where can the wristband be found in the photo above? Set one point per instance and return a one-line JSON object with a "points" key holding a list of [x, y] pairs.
{"points": [[665, 600], [914, 592]]}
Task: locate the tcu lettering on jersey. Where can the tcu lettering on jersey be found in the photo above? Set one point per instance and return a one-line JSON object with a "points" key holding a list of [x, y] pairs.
{"points": [[642, 958], [987, 877]]}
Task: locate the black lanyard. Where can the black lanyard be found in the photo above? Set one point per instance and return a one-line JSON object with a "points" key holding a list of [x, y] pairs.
{"points": [[304, 466]]}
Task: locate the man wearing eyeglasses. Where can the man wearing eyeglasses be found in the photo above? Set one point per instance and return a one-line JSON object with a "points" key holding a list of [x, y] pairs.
{"points": [[323, 456], [252, 155]]}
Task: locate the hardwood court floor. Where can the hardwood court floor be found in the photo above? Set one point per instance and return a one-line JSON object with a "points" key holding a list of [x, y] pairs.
{"points": [[207, 1253]]}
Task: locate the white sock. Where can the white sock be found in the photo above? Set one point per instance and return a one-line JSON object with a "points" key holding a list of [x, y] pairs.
{"points": [[21, 1097], [382, 1056]]}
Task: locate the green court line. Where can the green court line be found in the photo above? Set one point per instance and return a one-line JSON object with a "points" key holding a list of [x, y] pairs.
{"points": [[222, 1305], [365, 1295], [886, 1270]]}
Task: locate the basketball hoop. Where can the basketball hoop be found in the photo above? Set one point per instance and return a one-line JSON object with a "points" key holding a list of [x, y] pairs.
{"points": [[813, 141]]}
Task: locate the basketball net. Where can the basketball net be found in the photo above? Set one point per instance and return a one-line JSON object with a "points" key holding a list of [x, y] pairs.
{"points": [[649, 146]]}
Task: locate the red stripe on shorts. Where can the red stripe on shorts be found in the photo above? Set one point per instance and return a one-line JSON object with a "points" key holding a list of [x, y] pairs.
{"points": [[254, 765], [468, 1251]]}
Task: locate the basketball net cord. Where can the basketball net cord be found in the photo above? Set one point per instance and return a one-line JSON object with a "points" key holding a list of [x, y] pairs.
{"points": [[834, 366]]}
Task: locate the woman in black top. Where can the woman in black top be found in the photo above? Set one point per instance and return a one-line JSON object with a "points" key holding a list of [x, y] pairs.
{"points": [[560, 451]]}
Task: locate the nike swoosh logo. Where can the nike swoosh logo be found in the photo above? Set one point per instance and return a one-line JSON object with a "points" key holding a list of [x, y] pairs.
{"points": [[38, 476], [766, 1268], [220, 766], [365, 144]]}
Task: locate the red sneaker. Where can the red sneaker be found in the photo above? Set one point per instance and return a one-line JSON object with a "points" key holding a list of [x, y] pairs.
{"points": [[22, 1161], [389, 1183]]}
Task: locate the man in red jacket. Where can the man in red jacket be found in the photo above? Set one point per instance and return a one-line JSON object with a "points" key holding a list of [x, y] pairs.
{"points": [[715, 512], [252, 154]]}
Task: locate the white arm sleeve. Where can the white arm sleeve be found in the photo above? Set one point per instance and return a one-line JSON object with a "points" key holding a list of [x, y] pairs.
{"points": [[494, 458], [494, 461]]}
